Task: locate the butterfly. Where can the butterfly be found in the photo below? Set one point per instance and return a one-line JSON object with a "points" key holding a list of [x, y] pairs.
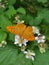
{"points": [[22, 30]]}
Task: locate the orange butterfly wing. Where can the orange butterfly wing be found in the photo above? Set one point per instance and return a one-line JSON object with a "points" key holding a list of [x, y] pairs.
{"points": [[28, 34], [17, 29], [22, 30]]}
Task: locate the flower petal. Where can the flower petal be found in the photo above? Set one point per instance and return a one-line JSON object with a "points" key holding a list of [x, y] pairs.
{"points": [[33, 54], [35, 30], [16, 42], [36, 38], [25, 40], [42, 40], [25, 44], [25, 52], [0, 45], [39, 41], [27, 56], [17, 36], [20, 44], [43, 37], [33, 58]]}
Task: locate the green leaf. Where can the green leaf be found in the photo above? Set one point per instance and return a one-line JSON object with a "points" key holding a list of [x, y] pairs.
{"points": [[4, 22], [11, 2], [29, 19], [1, 10], [32, 45], [10, 12], [10, 55], [45, 15], [42, 15], [47, 35], [43, 1], [37, 20], [21, 10], [3, 36], [41, 59], [11, 37]]}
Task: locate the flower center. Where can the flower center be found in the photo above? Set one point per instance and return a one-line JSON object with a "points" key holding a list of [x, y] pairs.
{"points": [[21, 41], [29, 54], [43, 46], [40, 38]]}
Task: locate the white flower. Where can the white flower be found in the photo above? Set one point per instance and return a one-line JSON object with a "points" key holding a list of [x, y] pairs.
{"points": [[2, 5], [20, 41], [0, 45], [35, 30], [17, 18], [20, 21], [23, 48], [29, 54], [40, 38], [42, 48], [3, 43]]}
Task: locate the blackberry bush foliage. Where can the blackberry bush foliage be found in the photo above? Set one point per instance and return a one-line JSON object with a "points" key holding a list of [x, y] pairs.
{"points": [[24, 32]]}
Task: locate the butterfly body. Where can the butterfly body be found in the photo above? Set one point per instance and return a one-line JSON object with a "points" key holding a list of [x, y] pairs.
{"points": [[22, 30]]}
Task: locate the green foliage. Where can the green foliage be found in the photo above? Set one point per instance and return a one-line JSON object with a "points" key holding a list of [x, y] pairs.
{"points": [[11, 55], [10, 12], [41, 59], [3, 36], [44, 14], [11, 37], [11, 2], [34, 13], [21, 10], [4, 22], [43, 1]]}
